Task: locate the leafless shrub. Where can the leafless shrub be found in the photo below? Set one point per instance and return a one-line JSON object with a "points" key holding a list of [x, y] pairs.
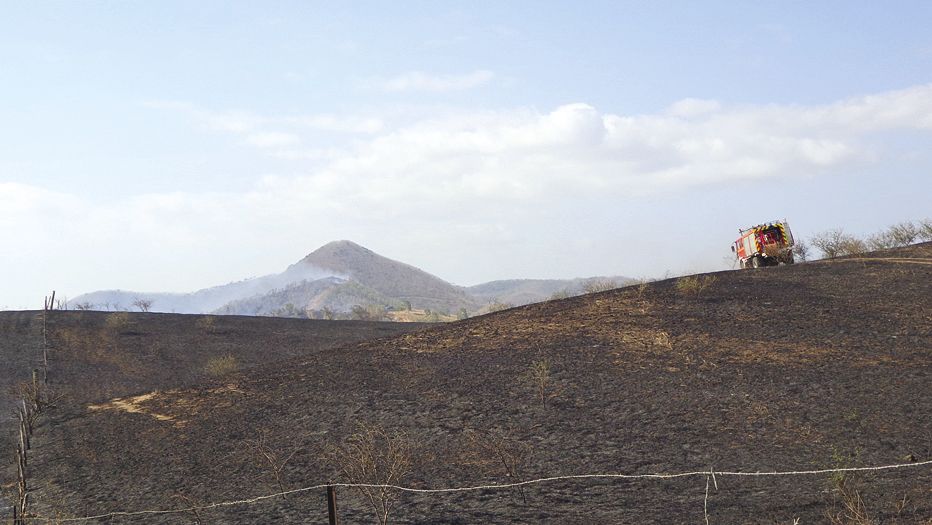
{"points": [[599, 285], [369, 312], [497, 453], [497, 306], [925, 229], [851, 245], [207, 323], [560, 294], [837, 243], [694, 285], [117, 321], [143, 304], [374, 456], [880, 241], [220, 366], [828, 242], [801, 250], [83, 306], [904, 233], [272, 458], [328, 313], [539, 374]]}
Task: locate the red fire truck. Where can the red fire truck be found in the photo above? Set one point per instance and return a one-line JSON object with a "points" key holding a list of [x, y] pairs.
{"points": [[767, 244]]}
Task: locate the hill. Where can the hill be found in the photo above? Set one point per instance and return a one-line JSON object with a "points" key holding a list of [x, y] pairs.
{"points": [[519, 292], [335, 278], [99, 355], [810, 366], [397, 280]]}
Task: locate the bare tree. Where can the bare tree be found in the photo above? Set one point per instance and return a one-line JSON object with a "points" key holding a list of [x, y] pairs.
{"points": [[925, 229], [904, 233], [143, 304], [272, 458], [828, 242], [499, 453], [801, 250], [377, 458]]}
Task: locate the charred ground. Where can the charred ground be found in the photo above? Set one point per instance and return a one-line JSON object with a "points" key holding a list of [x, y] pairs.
{"points": [[809, 366]]}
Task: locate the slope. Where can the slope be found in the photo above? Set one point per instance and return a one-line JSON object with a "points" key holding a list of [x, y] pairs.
{"points": [[809, 366], [391, 278], [96, 355]]}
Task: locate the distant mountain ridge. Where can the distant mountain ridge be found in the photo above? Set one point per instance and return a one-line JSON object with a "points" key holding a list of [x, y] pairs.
{"points": [[335, 278]]}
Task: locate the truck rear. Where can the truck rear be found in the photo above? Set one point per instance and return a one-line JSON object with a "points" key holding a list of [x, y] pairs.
{"points": [[767, 244]]}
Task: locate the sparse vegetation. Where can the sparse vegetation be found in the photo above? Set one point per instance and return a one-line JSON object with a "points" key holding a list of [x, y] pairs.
{"points": [[539, 376], [498, 453], [208, 323], [370, 312], [375, 456], [118, 321], [837, 243], [497, 306], [801, 250], [694, 285], [847, 506], [142, 304], [561, 294], [273, 459], [599, 285], [221, 366]]}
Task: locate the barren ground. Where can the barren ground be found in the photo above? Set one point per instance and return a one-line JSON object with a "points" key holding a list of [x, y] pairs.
{"points": [[816, 365]]}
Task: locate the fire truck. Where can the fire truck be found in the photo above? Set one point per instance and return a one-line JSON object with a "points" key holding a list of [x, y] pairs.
{"points": [[767, 244]]}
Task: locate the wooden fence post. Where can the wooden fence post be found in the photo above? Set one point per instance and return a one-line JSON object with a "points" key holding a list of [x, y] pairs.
{"points": [[332, 505]]}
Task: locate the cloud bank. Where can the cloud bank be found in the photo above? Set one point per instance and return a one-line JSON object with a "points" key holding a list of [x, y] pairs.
{"points": [[470, 176]]}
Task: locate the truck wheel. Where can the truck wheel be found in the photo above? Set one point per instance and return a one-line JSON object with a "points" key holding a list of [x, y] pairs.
{"points": [[755, 262]]}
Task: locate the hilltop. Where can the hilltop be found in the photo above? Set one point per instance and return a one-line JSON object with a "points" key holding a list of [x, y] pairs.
{"points": [[808, 366], [334, 279]]}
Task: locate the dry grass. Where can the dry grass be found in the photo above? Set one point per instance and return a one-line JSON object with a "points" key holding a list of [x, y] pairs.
{"points": [[221, 366], [694, 285], [117, 321]]}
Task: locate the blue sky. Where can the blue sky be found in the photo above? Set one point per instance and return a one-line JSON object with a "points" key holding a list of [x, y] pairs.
{"points": [[175, 145]]}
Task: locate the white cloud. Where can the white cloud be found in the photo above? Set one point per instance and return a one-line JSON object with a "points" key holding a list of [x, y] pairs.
{"points": [[273, 139], [421, 81], [476, 174]]}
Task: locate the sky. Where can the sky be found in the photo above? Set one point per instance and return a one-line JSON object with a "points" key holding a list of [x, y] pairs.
{"points": [[171, 146]]}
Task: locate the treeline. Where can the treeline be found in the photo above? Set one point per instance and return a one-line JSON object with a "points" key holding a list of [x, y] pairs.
{"points": [[838, 243]]}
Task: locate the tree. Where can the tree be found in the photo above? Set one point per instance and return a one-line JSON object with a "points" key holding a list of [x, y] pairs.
{"points": [[143, 304], [830, 242], [801, 250], [925, 229]]}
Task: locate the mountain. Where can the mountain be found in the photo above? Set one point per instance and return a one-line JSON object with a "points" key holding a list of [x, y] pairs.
{"points": [[799, 368], [338, 277], [390, 278]]}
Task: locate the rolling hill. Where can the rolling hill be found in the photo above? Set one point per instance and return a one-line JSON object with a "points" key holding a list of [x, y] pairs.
{"points": [[811, 366]]}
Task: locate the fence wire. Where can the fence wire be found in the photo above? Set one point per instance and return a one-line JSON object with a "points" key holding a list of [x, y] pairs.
{"points": [[711, 473]]}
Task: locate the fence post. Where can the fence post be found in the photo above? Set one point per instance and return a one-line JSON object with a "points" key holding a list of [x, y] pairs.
{"points": [[332, 505]]}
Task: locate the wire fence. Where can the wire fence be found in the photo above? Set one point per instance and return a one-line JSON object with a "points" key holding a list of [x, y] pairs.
{"points": [[710, 474]]}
